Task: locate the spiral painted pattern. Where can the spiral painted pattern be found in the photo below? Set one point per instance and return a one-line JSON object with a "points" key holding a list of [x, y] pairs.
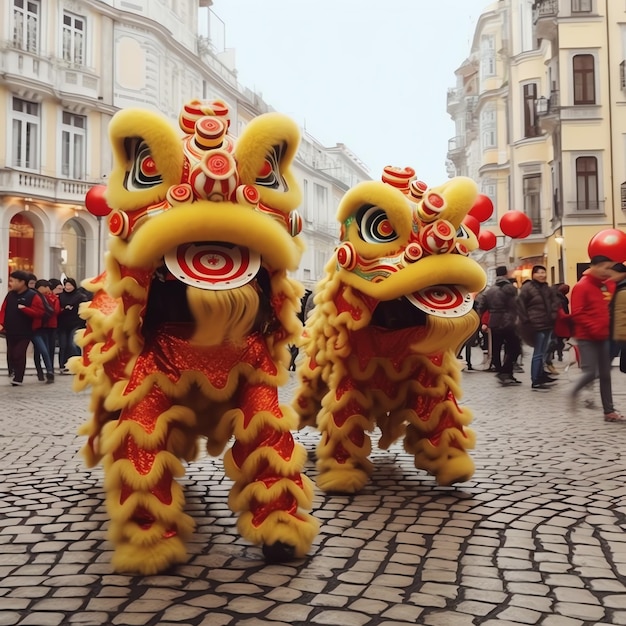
{"points": [[443, 300], [213, 265]]}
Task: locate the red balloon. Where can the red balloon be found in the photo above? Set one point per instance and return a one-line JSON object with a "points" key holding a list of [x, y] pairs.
{"points": [[514, 224], [486, 240], [482, 209], [527, 231], [609, 242], [472, 223], [95, 202]]}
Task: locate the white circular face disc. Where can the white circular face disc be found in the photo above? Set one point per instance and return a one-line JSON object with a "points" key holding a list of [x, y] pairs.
{"points": [[443, 300], [213, 265]]}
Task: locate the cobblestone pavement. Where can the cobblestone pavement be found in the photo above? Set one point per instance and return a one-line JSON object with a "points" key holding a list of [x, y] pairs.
{"points": [[536, 537]]}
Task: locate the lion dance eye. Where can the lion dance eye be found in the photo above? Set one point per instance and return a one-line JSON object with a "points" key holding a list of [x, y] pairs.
{"points": [[144, 173], [375, 226]]}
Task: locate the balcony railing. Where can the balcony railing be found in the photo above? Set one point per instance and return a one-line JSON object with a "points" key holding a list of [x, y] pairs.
{"points": [[545, 8], [456, 143], [581, 208], [21, 183]]}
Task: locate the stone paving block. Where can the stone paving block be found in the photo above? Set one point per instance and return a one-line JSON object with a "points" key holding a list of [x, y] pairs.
{"points": [[585, 612], [332, 618]]}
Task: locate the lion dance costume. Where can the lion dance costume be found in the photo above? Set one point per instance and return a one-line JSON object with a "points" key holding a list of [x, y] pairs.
{"points": [[187, 332], [390, 315]]}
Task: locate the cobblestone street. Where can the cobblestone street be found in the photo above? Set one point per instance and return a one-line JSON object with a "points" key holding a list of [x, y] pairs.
{"points": [[536, 537]]}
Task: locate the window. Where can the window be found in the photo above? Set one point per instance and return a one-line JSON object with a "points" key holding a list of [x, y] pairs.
{"points": [[584, 79], [581, 6], [25, 125], [531, 125], [73, 145], [321, 199], [531, 190], [587, 184], [26, 25], [305, 200], [487, 56], [73, 38], [488, 128]]}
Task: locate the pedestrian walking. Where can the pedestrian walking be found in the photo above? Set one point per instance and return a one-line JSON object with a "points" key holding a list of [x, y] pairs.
{"points": [[562, 327], [537, 309], [45, 336], [591, 315], [69, 322], [20, 314], [500, 301]]}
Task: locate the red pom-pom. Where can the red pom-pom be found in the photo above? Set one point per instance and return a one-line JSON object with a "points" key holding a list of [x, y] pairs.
{"points": [[514, 224], [95, 202], [609, 242], [486, 240], [482, 209]]}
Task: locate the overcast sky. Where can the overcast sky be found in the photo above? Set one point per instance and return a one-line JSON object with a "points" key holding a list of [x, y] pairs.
{"points": [[372, 74]]}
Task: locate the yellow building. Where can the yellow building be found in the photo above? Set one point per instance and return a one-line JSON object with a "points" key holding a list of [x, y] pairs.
{"points": [[562, 62]]}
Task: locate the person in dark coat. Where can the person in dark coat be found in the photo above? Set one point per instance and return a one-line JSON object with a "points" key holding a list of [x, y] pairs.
{"points": [[68, 322], [500, 300], [20, 315], [537, 309]]}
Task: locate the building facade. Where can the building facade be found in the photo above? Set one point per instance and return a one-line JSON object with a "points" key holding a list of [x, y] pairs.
{"points": [[561, 67], [67, 67]]}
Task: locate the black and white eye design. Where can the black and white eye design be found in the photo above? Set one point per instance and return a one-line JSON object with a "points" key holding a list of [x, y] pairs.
{"points": [[374, 225], [143, 172], [269, 176], [463, 232]]}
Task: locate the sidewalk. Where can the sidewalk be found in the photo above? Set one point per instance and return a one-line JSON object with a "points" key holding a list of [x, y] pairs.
{"points": [[536, 537]]}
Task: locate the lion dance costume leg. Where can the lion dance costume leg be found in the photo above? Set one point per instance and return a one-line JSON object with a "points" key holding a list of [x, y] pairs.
{"points": [[187, 332], [390, 315]]}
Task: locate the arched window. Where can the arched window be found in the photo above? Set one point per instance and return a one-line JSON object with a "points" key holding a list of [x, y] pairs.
{"points": [[21, 244], [74, 250], [584, 79]]}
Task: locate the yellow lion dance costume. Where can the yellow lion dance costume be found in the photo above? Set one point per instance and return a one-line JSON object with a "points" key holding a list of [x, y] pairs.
{"points": [[187, 332], [390, 315]]}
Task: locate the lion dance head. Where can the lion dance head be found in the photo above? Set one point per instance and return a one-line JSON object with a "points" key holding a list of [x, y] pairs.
{"points": [[390, 315]]}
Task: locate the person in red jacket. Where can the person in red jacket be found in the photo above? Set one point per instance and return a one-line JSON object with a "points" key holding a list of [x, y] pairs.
{"points": [[45, 337], [590, 314], [20, 315]]}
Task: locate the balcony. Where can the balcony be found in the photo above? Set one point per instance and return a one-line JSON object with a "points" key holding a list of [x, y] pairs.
{"points": [[456, 145], [545, 13], [454, 98], [33, 185]]}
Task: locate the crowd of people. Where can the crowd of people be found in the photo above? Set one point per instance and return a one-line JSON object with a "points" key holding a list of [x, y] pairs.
{"points": [[44, 313], [543, 317]]}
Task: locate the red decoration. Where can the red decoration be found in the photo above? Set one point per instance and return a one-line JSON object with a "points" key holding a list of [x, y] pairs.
{"points": [[95, 202], [486, 240], [472, 223], [515, 224], [482, 209], [609, 242]]}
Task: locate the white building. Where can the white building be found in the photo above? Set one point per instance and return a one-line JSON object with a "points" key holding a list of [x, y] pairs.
{"points": [[66, 67]]}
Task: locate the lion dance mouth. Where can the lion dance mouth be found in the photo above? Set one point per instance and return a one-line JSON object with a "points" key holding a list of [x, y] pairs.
{"points": [[391, 313], [187, 333]]}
